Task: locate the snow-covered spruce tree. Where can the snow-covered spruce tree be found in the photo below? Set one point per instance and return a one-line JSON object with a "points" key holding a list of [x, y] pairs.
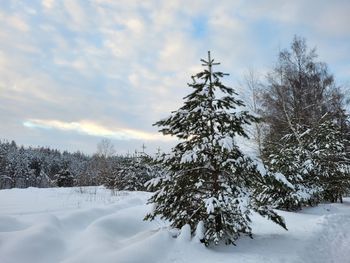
{"points": [[208, 179], [293, 181], [314, 166], [328, 147], [132, 173]]}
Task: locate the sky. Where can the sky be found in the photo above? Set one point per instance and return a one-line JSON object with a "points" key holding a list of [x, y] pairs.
{"points": [[74, 72]]}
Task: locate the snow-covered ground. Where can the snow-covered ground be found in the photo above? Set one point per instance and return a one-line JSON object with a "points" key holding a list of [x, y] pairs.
{"points": [[92, 225]]}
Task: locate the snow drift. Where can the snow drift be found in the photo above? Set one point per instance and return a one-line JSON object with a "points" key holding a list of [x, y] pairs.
{"points": [[91, 225]]}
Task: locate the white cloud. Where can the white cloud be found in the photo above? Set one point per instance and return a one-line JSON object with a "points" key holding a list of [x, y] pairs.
{"points": [[18, 23], [15, 21], [78, 17], [177, 54], [93, 129], [48, 3], [135, 25], [330, 18]]}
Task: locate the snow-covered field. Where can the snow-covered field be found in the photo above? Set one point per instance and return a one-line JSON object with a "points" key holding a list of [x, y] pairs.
{"points": [[92, 225]]}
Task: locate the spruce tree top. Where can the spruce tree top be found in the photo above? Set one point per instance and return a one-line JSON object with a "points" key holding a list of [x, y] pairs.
{"points": [[209, 112]]}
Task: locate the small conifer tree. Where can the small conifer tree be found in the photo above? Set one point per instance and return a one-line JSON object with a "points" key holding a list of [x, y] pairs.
{"points": [[131, 174], [64, 178], [292, 178], [328, 146], [315, 167], [207, 178]]}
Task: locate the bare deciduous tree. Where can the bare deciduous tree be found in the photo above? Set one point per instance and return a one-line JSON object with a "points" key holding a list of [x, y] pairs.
{"points": [[105, 148], [299, 91], [252, 96]]}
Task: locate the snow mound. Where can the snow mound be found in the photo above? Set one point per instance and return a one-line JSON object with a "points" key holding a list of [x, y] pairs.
{"points": [[185, 234]]}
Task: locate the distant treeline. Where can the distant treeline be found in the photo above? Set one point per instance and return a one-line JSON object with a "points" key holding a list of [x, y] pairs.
{"points": [[22, 167]]}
